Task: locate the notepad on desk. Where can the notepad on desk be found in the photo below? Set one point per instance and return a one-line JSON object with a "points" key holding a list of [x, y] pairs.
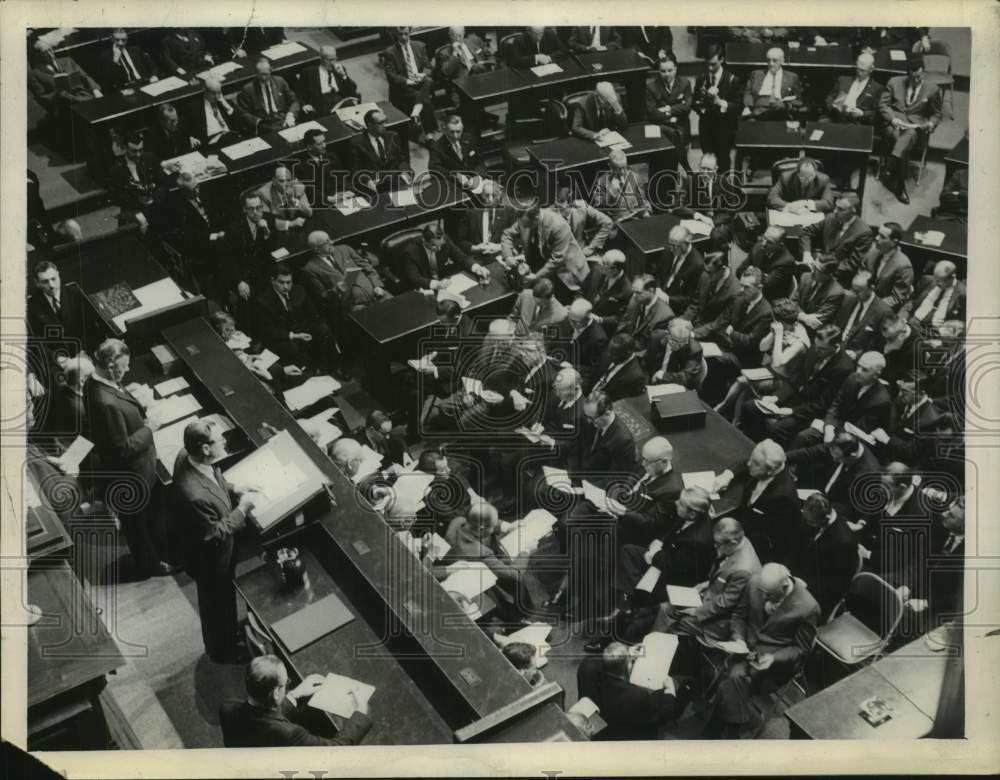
{"points": [[311, 623], [546, 70], [930, 237], [897, 55], [682, 597], [612, 138], [459, 283], [162, 86], [245, 148], [310, 391], [702, 479], [652, 131], [469, 579], [171, 386], [281, 50], [295, 134], [652, 668], [219, 71], [334, 695]]}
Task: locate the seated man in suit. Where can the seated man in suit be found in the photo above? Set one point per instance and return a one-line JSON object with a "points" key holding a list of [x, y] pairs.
{"points": [[775, 262], [680, 268], [588, 338], [55, 314], [668, 104], [747, 322], [408, 71], [122, 64], [484, 224], [268, 718], [379, 163], [608, 287], [860, 316], [718, 289], [475, 536], [774, 93], [611, 452], [855, 99], [326, 273], [536, 309], [593, 38], [428, 262], [466, 54], [911, 110], [136, 184], [325, 85], [777, 619], [631, 711], [600, 113], [286, 198], [954, 199], [646, 314], [891, 269], [590, 227], [678, 355], [454, 154], [916, 423], [288, 324], [182, 52], [842, 234], [938, 298], [618, 192], [828, 557], [901, 344], [703, 192], [820, 296], [802, 190], [536, 46], [319, 169], [55, 82], [625, 376], [169, 137], [844, 470], [267, 104], [213, 119], [249, 40]]}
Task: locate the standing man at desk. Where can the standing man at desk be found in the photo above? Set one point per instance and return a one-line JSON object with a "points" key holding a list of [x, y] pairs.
{"points": [[213, 118], [454, 154], [267, 104], [325, 85], [379, 162], [123, 64], [268, 717], [248, 251], [911, 110], [135, 181], [183, 52], [668, 104], [547, 238], [599, 113], [584, 220], [216, 512], [717, 99], [408, 71], [536, 46], [855, 100], [123, 439], [199, 231], [774, 93], [803, 190]]}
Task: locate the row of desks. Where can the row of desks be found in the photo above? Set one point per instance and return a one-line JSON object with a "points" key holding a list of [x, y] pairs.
{"points": [[889, 60]]}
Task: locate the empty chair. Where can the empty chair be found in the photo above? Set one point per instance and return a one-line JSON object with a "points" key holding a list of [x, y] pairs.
{"points": [[861, 625]]}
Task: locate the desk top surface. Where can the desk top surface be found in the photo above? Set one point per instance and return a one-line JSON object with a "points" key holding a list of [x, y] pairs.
{"points": [[954, 243], [917, 672], [98, 264], [571, 70], [959, 154], [649, 234], [839, 137], [742, 53], [573, 152], [768, 134]]}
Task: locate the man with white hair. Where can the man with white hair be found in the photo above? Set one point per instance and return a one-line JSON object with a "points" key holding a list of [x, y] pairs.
{"points": [[286, 198], [855, 99], [267, 104], [326, 273], [599, 113], [325, 85], [618, 192], [937, 298], [680, 268], [213, 119], [466, 53], [608, 287], [587, 339], [774, 93], [645, 509], [483, 224], [683, 362], [768, 506], [776, 618]]}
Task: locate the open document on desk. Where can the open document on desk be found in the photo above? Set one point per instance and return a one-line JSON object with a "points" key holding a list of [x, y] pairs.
{"points": [[295, 134], [546, 70], [281, 50], [163, 86], [219, 72], [786, 219], [246, 148], [151, 297]]}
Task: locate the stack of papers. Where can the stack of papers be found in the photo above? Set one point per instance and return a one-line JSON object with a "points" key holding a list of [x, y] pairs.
{"points": [[612, 138], [788, 219], [333, 696], [702, 479], [295, 134], [76, 452], [220, 71], [535, 634], [446, 295], [246, 148], [171, 386], [163, 85], [681, 596], [408, 493], [469, 579], [524, 537], [321, 429], [151, 297], [404, 197], [696, 227], [265, 359], [656, 391], [930, 237], [310, 391], [268, 477], [857, 433], [558, 479], [281, 50], [240, 340], [649, 580], [653, 131], [652, 668], [371, 462], [173, 408], [459, 283], [546, 70]]}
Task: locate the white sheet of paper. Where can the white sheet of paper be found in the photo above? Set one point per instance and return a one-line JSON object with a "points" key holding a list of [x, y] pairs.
{"points": [[815, 135], [333, 695], [932, 238], [171, 386], [681, 596], [459, 283], [818, 426], [408, 493], [612, 138], [656, 391], [281, 50], [696, 227], [192, 161], [355, 113], [423, 364], [266, 358], [653, 131], [295, 134], [168, 84], [546, 70], [595, 495], [324, 430], [702, 479], [733, 647], [76, 452], [585, 707], [652, 668], [788, 219], [804, 493], [472, 386], [153, 296], [270, 479], [857, 433], [245, 148], [371, 462], [558, 479], [447, 295], [897, 55], [219, 71], [469, 578], [710, 350], [524, 537], [649, 580], [173, 408], [404, 198], [310, 391]]}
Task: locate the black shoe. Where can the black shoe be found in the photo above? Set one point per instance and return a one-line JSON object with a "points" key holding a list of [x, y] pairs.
{"points": [[902, 197]]}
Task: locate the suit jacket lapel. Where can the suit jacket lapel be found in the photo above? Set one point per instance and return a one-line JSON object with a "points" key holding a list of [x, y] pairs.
{"points": [[211, 484]]}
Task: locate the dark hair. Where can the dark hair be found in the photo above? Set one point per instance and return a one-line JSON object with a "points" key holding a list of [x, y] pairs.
{"points": [[519, 654], [601, 400], [369, 114], [433, 230], [818, 502], [45, 265], [375, 418], [895, 231], [543, 288], [427, 462], [715, 50], [249, 195], [785, 310], [828, 333], [669, 57], [720, 237], [621, 343], [134, 137], [280, 269], [828, 264], [309, 136], [844, 441], [449, 309], [197, 433]]}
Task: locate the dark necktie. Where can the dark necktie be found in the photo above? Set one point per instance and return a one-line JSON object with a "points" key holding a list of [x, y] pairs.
{"points": [[381, 149], [269, 105], [130, 72], [329, 80], [57, 307]]}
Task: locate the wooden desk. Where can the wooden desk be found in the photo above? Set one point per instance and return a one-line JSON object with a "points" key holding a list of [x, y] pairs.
{"points": [[917, 672], [621, 64], [69, 655], [854, 142], [886, 66], [571, 72], [742, 54], [767, 134], [647, 238], [390, 329], [953, 247], [957, 158]]}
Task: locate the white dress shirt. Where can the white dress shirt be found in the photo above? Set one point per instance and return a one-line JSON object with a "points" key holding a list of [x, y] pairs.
{"points": [[857, 87], [772, 84]]}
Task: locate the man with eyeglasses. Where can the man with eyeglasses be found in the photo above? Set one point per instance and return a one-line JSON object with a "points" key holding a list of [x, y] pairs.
{"points": [[325, 85], [123, 64], [379, 160]]}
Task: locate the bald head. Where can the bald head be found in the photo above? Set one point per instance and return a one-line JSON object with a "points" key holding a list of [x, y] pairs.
{"points": [[502, 328], [679, 233], [482, 517], [864, 65], [328, 55], [774, 578], [317, 240], [614, 259], [618, 159], [213, 86], [346, 453], [579, 312], [657, 454], [606, 91]]}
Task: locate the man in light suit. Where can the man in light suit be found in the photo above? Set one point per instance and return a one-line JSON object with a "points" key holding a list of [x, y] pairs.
{"points": [[590, 227], [556, 247], [408, 71], [466, 54], [911, 110], [618, 191], [668, 104], [860, 316], [938, 298], [325, 277], [802, 190], [216, 512], [718, 100], [325, 85], [286, 199], [536, 309], [735, 563], [267, 104], [600, 113], [842, 234], [774, 93], [891, 269], [855, 99], [777, 619]]}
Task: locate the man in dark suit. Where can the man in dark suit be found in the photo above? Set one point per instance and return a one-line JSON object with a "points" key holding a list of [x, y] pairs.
{"points": [[319, 169], [593, 38], [777, 619], [323, 86], [704, 192], [611, 451], [475, 536], [468, 53], [916, 422], [774, 93], [199, 232], [676, 357], [842, 234], [646, 313], [631, 711], [891, 269], [216, 511], [625, 376], [718, 99], [169, 137], [56, 82], [653, 44], [775, 262], [748, 321], [136, 184], [182, 51], [428, 262], [845, 470], [680, 268], [249, 239], [379, 163], [668, 104], [860, 316], [536, 46], [820, 296], [900, 345], [599, 113], [325, 277], [408, 70], [828, 558], [718, 290], [937, 299], [288, 324], [54, 313], [485, 223], [588, 340], [123, 439], [268, 718], [267, 104], [769, 505], [454, 154], [855, 99], [608, 287], [911, 110], [802, 190], [122, 64], [212, 119]]}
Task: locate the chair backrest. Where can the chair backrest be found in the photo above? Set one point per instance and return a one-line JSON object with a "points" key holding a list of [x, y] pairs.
{"points": [[555, 118], [347, 101], [937, 64], [504, 47], [873, 600], [785, 165], [390, 248], [574, 103]]}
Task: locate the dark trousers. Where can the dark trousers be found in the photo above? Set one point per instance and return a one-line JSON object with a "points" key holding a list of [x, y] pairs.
{"points": [[717, 136], [141, 526], [214, 568]]}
